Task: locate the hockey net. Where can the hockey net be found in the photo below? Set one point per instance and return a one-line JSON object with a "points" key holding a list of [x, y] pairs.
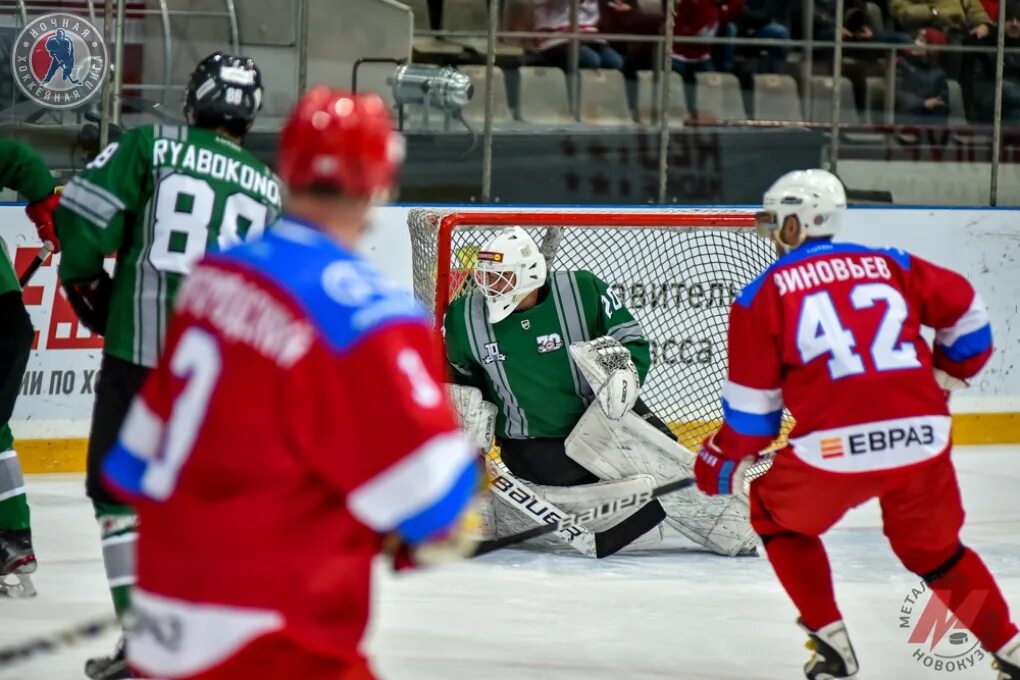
{"points": [[677, 270]]}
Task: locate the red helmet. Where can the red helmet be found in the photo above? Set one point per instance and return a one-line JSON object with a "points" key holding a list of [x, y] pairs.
{"points": [[339, 140]]}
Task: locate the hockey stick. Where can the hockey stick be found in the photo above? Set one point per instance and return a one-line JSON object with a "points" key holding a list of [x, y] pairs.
{"points": [[612, 507], [34, 265], [53, 642], [518, 495]]}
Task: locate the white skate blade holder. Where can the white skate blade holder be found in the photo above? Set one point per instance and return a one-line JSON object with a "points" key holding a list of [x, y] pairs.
{"points": [[21, 587]]}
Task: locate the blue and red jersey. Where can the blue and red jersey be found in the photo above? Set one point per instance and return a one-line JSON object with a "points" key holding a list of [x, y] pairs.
{"points": [[832, 332], [296, 417]]}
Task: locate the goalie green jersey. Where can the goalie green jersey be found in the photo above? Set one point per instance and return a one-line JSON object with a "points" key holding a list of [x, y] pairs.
{"points": [[23, 170], [522, 364], [159, 198]]}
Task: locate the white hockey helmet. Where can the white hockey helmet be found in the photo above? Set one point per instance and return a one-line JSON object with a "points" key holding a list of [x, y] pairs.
{"points": [[508, 267], [816, 197]]}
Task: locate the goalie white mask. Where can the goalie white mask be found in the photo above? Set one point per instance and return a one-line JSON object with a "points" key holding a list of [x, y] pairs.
{"points": [[508, 268], [816, 197]]}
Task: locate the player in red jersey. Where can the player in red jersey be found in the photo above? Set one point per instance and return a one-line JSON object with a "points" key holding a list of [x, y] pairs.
{"points": [[295, 422], [833, 332]]}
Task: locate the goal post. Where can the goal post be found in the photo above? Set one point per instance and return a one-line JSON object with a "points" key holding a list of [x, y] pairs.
{"points": [[676, 269]]}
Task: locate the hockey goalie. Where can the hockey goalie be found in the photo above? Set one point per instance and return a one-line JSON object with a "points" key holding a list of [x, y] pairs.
{"points": [[550, 366]]}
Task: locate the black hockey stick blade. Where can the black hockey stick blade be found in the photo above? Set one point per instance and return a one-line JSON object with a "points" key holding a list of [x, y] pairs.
{"points": [[612, 507], [34, 265], [614, 539]]}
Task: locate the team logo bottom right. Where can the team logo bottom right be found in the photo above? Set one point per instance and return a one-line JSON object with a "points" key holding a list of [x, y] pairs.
{"points": [[940, 642]]}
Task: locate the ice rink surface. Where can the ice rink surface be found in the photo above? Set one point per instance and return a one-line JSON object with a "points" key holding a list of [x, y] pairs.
{"points": [[670, 613]]}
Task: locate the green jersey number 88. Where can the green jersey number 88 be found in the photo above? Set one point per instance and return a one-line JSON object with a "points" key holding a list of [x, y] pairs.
{"points": [[185, 206]]}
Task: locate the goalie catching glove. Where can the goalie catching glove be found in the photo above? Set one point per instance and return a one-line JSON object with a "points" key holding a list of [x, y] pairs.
{"points": [[609, 369]]}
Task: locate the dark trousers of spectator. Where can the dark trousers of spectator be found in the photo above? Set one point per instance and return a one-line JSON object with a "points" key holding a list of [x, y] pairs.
{"points": [[637, 56], [984, 93], [590, 55], [688, 69], [724, 55], [768, 58]]}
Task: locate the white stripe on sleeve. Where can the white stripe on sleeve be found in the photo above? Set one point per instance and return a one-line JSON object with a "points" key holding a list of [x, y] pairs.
{"points": [[974, 318], [142, 431], [412, 485], [752, 400]]}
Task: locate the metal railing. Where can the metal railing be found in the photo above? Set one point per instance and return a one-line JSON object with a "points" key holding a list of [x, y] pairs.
{"points": [[24, 7], [669, 38], [113, 15]]}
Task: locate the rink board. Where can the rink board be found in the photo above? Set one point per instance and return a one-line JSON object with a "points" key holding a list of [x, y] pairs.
{"points": [[52, 414]]}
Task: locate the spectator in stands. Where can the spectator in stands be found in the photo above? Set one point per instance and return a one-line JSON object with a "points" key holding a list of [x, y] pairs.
{"points": [[922, 90], [761, 19], [978, 78], [699, 18], [963, 21], [1011, 65], [858, 26], [628, 17], [554, 16], [731, 12], [949, 16]]}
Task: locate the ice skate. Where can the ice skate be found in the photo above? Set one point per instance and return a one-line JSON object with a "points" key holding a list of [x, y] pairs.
{"points": [[1007, 660], [17, 561], [834, 657], [112, 667]]}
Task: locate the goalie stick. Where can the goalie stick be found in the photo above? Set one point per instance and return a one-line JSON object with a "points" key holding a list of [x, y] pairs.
{"points": [[34, 265], [612, 507], [591, 543], [485, 547]]}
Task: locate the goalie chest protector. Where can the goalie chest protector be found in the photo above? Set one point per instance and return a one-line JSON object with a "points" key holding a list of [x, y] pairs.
{"points": [[523, 362]]}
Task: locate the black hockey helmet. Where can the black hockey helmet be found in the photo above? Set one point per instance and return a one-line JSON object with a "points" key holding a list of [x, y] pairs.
{"points": [[224, 91]]}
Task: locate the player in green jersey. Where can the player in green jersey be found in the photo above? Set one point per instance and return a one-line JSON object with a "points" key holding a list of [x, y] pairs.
{"points": [[158, 198], [555, 362], [21, 169]]}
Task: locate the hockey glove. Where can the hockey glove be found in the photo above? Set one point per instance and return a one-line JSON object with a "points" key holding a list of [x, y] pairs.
{"points": [[91, 301], [609, 370], [456, 543], [718, 476], [41, 214], [948, 383]]}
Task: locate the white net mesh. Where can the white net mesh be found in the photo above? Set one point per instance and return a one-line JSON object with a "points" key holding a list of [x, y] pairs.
{"points": [[677, 270]]}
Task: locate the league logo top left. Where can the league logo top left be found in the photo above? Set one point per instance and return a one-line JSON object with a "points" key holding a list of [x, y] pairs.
{"points": [[59, 61]]}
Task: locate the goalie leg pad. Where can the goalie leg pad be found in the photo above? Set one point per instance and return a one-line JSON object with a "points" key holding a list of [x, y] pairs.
{"points": [[519, 505], [718, 523], [626, 447], [631, 446]]}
